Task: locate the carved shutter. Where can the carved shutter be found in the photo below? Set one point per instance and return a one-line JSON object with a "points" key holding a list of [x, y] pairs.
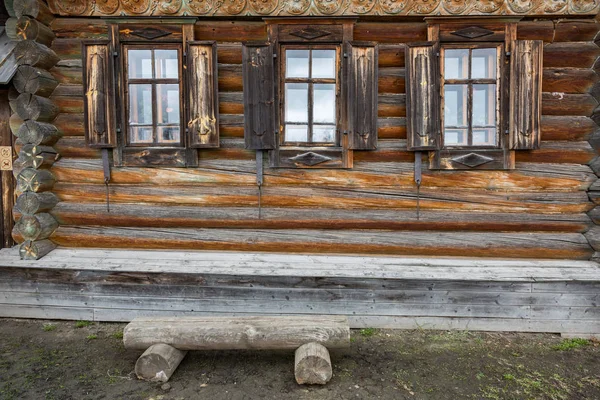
{"points": [[525, 94], [259, 96], [203, 95], [422, 96], [99, 106], [362, 95]]}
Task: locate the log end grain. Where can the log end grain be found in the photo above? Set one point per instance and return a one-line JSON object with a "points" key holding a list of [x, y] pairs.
{"points": [[158, 363], [312, 365]]}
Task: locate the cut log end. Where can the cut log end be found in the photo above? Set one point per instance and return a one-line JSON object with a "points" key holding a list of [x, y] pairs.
{"points": [[34, 250], [158, 363], [312, 365]]}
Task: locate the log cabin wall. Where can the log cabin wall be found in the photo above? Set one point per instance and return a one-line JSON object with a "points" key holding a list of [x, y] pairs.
{"points": [[538, 210]]}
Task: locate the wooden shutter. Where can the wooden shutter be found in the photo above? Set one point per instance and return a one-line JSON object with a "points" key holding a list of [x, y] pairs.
{"points": [[203, 95], [422, 96], [259, 96], [525, 94], [362, 95], [99, 101]]}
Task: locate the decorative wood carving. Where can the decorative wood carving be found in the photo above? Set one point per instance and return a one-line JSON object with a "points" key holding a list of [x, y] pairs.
{"points": [[322, 7], [150, 33], [310, 158], [310, 33], [472, 160], [473, 32]]}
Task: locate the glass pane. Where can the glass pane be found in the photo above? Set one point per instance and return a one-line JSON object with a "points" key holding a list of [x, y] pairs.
{"points": [[140, 104], [296, 102], [455, 105], [456, 63], [482, 137], [166, 64], [324, 103], [483, 63], [140, 134], [484, 105], [296, 133], [323, 64], [140, 64], [324, 133], [167, 97], [168, 134], [296, 63], [455, 137]]}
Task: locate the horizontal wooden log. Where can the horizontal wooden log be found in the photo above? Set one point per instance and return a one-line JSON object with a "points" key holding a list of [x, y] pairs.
{"points": [[536, 30], [30, 106], [36, 227], [81, 28], [584, 30], [173, 216], [569, 128], [67, 49], [36, 9], [38, 133], [518, 245], [34, 80], [391, 80], [230, 77], [34, 54], [223, 333], [70, 124], [402, 32], [569, 80], [31, 180], [568, 104], [231, 31], [158, 363], [32, 203], [527, 177], [342, 199], [68, 72], [26, 28], [34, 250], [559, 152], [570, 55]]}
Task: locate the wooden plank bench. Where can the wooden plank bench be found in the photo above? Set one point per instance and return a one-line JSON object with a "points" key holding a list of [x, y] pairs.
{"points": [[167, 340]]}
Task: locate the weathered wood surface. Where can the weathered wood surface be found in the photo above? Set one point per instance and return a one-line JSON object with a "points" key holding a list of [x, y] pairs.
{"points": [[158, 363], [393, 292], [32, 203], [36, 9], [34, 250], [312, 364], [34, 54], [37, 108], [35, 227], [38, 133], [26, 28], [34, 80], [222, 333], [524, 245]]}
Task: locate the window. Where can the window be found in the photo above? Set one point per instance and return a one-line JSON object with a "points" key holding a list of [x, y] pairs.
{"points": [[310, 96], [473, 94], [152, 91], [135, 102], [470, 89]]}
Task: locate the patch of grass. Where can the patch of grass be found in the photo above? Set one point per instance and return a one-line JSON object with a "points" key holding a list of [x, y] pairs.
{"points": [[82, 324], [118, 335], [480, 376], [49, 327], [569, 344], [367, 332], [508, 377], [92, 337]]}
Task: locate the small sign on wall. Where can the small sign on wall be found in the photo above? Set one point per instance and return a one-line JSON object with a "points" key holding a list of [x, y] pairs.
{"points": [[6, 158]]}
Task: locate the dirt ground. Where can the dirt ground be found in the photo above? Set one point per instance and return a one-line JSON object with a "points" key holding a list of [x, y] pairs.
{"points": [[80, 360]]}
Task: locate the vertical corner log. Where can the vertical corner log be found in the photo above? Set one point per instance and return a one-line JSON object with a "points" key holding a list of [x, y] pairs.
{"points": [[34, 80], [158, 363], [312, 365], [30, 250], [25, 28], [31, 180], [37, 133], [37, 108], [31, 202], [36, 9], [34, 54], [36, 227]]}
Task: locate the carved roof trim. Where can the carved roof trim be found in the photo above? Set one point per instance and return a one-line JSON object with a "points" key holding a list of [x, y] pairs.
{"points": [[329, 8]]}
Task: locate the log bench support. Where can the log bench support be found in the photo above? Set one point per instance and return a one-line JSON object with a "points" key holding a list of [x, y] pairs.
{"points": [[166, 341]]}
